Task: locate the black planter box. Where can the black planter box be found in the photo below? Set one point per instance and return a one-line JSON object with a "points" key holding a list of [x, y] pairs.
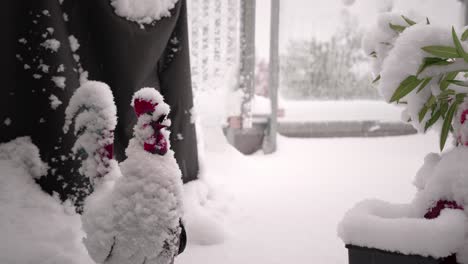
{"points": [[362, 255]]}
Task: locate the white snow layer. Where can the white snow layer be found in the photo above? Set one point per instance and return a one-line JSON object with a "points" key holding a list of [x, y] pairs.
{"points": [[143, 11], [54, 101], [59, 81], [35, 227], [51, 44], [74, 44], [403, 229]]}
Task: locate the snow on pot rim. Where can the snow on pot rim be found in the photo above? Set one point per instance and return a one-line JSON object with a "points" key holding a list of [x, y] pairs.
{"points": [[395, 228]]}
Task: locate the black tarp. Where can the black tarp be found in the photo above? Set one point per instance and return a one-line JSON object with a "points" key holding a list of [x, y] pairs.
{"points": [[113, 50]]}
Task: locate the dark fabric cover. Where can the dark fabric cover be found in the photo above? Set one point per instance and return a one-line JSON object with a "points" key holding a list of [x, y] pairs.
{"points": [[113, 50]]}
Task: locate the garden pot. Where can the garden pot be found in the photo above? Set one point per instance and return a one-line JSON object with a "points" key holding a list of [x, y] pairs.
{"points": [[362, 255]]}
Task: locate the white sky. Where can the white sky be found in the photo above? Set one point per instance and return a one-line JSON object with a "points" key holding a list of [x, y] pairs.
{"points": [[320, 18]]}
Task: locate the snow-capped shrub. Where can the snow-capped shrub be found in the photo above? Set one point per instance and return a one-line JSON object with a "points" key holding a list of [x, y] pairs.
{"points": [[420, 65]]}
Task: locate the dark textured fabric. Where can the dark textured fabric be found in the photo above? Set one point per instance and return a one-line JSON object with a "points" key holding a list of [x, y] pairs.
{"points": [[113, 50]]}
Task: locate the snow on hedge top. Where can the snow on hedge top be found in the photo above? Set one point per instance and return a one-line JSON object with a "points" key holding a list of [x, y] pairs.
{"points": [[23, 153], [143, 11], [34, 226]]}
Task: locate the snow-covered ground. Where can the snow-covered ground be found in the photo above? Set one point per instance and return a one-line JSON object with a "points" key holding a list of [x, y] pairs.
{"points": [[285, 208], [360, 110]]}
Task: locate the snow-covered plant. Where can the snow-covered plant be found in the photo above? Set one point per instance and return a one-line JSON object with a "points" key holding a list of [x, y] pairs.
{"points": [[420, 65], [93, 110]]}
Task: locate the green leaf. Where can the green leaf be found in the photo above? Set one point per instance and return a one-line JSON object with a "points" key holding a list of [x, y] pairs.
{"points": [[431, 61], [458, 46], [427, 21], [464, 35], [430, 102], [423, 113], [443, 109], [409, 21], [461, 97], [447, 125], [434, 117], [424, 84], [406, 86], [376, 79], [442, 51], [444, 83], [458, 82], [397, 28]]}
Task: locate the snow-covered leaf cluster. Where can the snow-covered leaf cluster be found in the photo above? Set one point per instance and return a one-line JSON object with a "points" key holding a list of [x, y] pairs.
{"points": [[419, 65]]}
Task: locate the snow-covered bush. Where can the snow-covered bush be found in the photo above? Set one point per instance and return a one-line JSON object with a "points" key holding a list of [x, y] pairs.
{"points": [[421, 65]]}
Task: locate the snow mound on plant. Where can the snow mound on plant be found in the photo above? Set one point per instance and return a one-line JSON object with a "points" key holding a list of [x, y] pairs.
{"points": [[36, 227], [143, 11], [447, 180]]}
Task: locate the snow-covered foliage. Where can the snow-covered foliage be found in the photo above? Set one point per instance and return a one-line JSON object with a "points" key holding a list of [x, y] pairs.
{"points": [[133, 215], [143, 11], [93, 110], [35, 227], [417, 64], [24, 154]]}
